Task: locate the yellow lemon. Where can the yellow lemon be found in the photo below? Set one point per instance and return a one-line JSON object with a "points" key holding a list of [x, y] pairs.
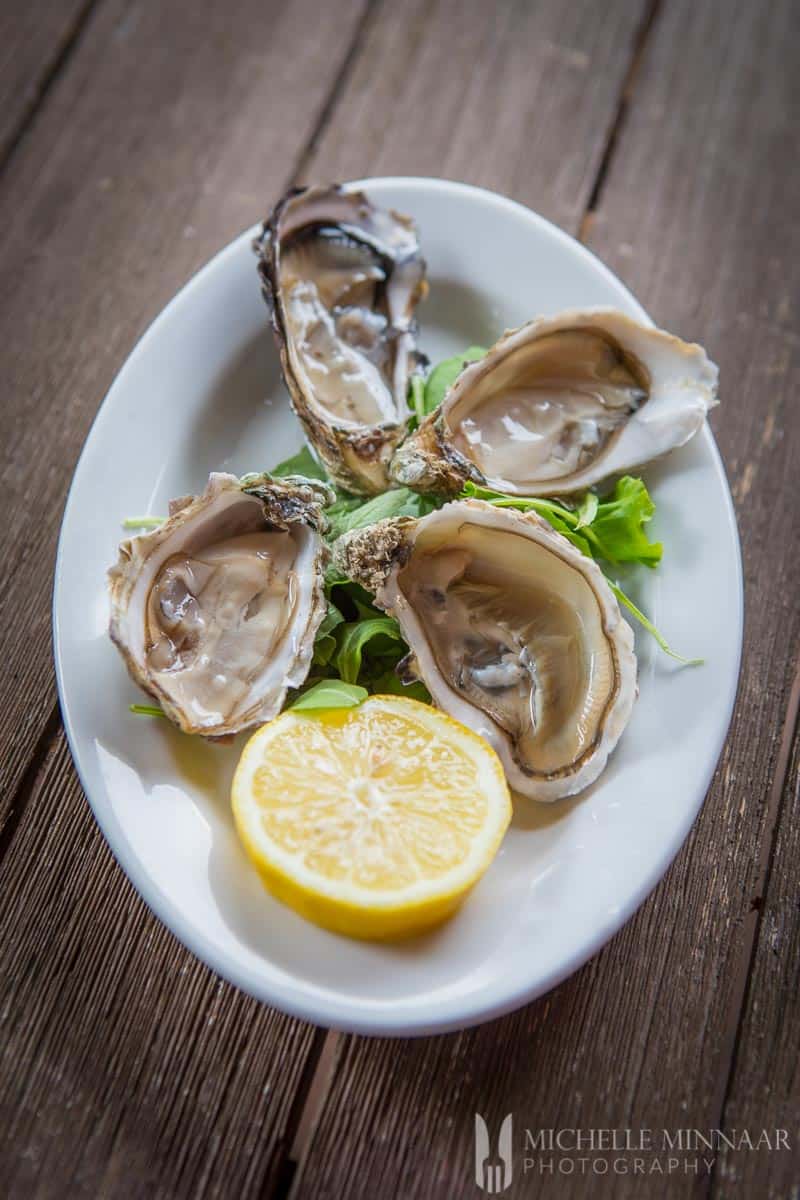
{"points": [[373, 821]]}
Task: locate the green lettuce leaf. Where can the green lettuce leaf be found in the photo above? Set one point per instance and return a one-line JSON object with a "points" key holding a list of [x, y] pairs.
{"points": [[147, 710], [338, 514], [647, 624], [325, 643], [143, 522], [301, 463], [376, 634], [442, 377], [617, 526], [416, 399], [329, 693], [610, 529], [587, 509], [353, 512], [390, 684]]}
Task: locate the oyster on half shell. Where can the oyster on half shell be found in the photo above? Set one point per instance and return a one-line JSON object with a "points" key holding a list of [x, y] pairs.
{"points": [[512, 630], [342, 279], [560, 404], [215, 612]]}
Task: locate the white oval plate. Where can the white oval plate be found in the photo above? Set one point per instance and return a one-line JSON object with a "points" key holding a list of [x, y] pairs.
{"points": [[202, 391]]}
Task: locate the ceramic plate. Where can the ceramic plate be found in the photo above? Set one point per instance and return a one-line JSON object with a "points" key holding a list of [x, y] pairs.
{"points": [[202, 391]]}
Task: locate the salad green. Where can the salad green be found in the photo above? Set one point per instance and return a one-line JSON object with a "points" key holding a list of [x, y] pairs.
{"points": [[359, 644], [329, 693], [425, 395], [358, 647], [609, 529]]}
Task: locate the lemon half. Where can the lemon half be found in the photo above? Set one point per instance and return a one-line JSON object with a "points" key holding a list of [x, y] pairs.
{"points": [[373, 821]]}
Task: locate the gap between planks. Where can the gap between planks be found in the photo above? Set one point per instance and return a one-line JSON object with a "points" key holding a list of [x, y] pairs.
{"points": [[777, 799], [639, 45], [42, 749], [349, 61], [53, 70], [309, 1109]]}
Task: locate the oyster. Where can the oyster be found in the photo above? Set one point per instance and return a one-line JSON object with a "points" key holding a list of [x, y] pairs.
{"points": [[342, 279], [215, 611], [559, 405], [513, 631]]}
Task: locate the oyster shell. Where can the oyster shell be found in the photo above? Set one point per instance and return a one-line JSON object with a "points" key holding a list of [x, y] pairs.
{"points": [[559, 405], [215, 611], [512, 630], [342, 279]]}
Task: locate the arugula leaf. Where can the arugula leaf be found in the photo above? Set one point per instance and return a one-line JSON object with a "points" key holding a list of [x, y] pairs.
{"points": [[354, 638], [564, 520], [352, 600], [626, 602], [143, 522], [329, 622], [416, 397], [147, 710], [329, 693], [609, 529], [390, 684], [617, 527], [325, 643], [443, 376], [587, 509], [338, 513], [301, 463], [354, 512]]}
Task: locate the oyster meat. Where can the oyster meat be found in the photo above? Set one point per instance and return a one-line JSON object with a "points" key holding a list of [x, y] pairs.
{"points": [[215, 612], [513, 631], [560, 404], [342, 279]]}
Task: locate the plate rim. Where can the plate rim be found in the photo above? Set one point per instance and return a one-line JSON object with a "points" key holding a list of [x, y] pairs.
{"points": [[295, 1000]]}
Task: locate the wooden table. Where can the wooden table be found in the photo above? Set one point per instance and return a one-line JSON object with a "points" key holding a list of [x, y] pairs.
{"points": [[136, 140]]}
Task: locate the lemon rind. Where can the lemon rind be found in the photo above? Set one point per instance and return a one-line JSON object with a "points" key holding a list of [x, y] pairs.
{"points": [[358, 911]]}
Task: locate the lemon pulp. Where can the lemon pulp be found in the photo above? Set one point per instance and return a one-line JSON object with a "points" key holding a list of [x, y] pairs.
{"points": [[374, 821]]}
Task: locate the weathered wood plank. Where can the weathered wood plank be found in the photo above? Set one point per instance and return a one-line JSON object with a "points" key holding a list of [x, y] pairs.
{"points": [[764, 1089], [723, 220], [597, 1051], [35, 38], [697, 213], [171, 130], [157, 241], [513, 96], [126, 1068]]}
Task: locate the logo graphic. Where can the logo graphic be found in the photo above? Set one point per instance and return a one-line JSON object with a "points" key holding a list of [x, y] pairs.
{"points": [[492, 1172]]}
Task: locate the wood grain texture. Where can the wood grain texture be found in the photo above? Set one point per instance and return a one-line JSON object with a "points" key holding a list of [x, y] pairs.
{"points": [[514, 96], [174, 127], [764, 1090], [126, 1068], [696, 213], [35, 39], [715, 254]]}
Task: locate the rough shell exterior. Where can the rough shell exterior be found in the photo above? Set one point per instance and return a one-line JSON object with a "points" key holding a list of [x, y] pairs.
{"points": [[683, 383], [374, 557], [357, 458], [429, 462], [284, 502]]}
